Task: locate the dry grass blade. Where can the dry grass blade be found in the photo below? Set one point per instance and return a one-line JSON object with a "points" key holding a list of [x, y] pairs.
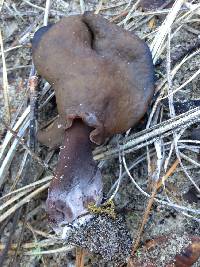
{"points": [[99, 7], [124, 13], [135, 5], [32, 245], [30, 148], [13, 199], [168, 174], [22, 202], [166, 203], [50, 251], [12, 48], [20, 171], [150, 203], [5, 83], [26, 188], [160, 37], [82, 6], [185, 83], [46, 12], [15, 128], [11, 153], [80, 255], [183, 61], [1, 4], [144, 220], [33, 5], [146, 137]]}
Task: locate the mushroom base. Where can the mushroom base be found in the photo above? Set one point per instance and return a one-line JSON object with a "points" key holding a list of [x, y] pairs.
{"points": [[77, 181]]}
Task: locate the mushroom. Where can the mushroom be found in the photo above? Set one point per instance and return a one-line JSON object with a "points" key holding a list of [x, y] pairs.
{"points": [[103, 79]]}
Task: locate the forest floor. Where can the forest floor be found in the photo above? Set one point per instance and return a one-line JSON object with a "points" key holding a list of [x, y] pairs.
{"points": [[152, 181]]}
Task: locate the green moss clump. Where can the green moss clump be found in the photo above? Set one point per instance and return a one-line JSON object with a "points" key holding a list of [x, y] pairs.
{"points": [[107, 208]]}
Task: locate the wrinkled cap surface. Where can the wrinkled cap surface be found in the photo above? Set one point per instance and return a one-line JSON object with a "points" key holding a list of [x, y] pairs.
{"points": [[100, 72]]}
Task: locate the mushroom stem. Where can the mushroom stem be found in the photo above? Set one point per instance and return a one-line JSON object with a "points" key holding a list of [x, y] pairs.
{"points": [[77, 180]]}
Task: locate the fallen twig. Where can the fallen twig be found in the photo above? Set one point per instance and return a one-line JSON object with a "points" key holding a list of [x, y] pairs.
{"points": [[148, 136]]}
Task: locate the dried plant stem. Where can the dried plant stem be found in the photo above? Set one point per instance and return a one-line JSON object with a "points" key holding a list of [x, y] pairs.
{"points": [[5, 83], [51, 251], [1, 4], [122, 14], [185, 83], [148, 136], [157, 185], [144, 220], [80, 255], [46, 12], [9, 135], [10, 155], [82, 6], [13, 199], [163, 202], [129, 15], [99, 7], [33, 5], [22, 202], [20, 171], [26, 188], [168, 173], [25, 146], [160, 37], [15, 219], [31, 245]]}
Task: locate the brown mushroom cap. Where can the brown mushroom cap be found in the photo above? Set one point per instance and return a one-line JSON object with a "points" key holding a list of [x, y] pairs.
{"points": [[100, 72]]}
